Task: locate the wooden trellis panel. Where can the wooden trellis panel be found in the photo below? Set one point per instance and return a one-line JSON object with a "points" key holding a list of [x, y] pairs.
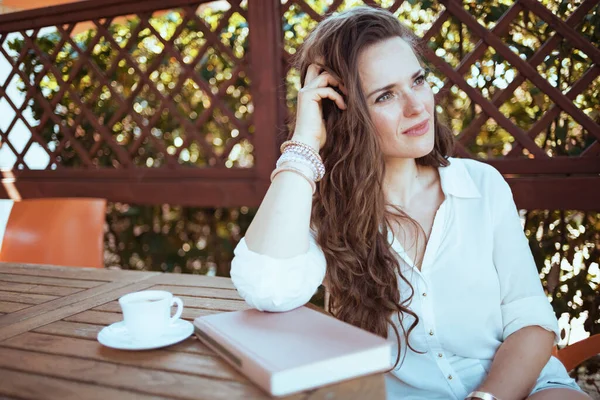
{"points": [[538, 180], [86, 135]]}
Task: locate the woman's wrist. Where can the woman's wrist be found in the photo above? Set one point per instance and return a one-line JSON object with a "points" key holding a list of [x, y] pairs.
{"points": [[310, 141]]}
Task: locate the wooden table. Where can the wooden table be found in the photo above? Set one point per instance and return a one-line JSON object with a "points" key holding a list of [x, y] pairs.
{"points": [[50, 317]]}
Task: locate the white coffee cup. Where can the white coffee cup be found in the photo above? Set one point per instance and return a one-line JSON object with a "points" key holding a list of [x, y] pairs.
{"points": [[147, 314]]}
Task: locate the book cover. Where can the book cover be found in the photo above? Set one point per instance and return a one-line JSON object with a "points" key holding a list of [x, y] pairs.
{"points": [[293, 351]]}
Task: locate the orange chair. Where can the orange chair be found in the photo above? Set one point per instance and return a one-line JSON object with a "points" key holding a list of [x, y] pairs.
{"points": [[57, 231], [576, 353]]}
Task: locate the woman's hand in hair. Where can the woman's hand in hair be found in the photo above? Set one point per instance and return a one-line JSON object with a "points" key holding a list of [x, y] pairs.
{"points": [[318, 85]]}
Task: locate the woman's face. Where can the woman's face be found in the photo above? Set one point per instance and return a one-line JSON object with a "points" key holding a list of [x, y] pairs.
{"points": [[399, 99]]}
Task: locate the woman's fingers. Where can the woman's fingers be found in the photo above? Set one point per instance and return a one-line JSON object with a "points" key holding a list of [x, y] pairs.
{"points": [[326, 80], [311, 73], [319, 93], [317, 77]]}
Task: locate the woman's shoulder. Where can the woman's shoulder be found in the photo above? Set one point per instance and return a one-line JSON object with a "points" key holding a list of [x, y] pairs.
{"points": [[483, 176], [476, 168]]}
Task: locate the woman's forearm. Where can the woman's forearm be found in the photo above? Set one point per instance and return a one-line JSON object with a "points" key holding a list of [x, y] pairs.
{"points": [[518, 363], [281, 225]]}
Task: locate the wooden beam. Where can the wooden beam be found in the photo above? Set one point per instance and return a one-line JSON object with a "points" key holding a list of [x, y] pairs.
{"points": [[544, 193], [177, 191], [554, 165], [265, 43], [84, 11], [130, 174], [539, 192]]}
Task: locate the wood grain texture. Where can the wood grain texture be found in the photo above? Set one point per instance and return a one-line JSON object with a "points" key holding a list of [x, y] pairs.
{"points": [[368, 387], [202, 365], [10, 307], [38, 289], [86, 274], [24, 385], [189, 313], [32, 317], [213, 293], [214, 304], [26, 298], [192, 303], [95, 317], [117, 376], [71, 329], [44, 280], [85, 331], [105, 315], [197, 281]]}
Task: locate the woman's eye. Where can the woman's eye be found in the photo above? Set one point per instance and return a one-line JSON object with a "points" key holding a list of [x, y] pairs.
{"points": [[420, 79], [384, 97]]}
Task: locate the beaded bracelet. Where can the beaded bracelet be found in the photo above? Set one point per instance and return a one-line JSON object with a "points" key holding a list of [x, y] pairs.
{"points": [[291, 154], [290, 157], [309, 156], [300, 144]]}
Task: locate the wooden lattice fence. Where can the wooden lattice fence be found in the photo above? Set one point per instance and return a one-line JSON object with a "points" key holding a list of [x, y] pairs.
{"points": [[113, 126]]}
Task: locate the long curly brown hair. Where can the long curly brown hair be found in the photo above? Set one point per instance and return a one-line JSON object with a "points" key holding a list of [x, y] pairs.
{"points": [[350, 213]]}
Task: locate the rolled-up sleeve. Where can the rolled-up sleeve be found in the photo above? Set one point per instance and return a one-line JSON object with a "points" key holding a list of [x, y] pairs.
{"points": [[523, 302], [274, 284]]}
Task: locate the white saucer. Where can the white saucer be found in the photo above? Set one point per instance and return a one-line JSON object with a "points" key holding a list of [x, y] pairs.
{"points": [[117, 336]]}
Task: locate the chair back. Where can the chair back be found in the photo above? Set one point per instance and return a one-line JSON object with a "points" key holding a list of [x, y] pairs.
{"points": [[576, 353], [56, 231]]}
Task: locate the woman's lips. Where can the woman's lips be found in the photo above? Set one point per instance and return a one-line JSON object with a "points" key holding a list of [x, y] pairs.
{"points": [[418, 130]]}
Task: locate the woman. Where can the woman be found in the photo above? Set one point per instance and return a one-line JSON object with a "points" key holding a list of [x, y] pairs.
{"points": [[412, 245]]}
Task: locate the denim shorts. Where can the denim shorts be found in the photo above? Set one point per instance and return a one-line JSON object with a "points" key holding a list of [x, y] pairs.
{"points": [[555, 376]]}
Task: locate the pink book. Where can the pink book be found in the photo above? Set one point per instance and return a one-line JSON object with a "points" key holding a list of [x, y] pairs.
{"points": [[289, 352]]}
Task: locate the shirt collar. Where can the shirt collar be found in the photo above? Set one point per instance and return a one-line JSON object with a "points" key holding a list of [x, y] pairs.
{"points": [[456, 180]]}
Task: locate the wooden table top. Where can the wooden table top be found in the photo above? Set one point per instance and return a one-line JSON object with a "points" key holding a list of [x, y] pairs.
{"points": [[50, 317]]}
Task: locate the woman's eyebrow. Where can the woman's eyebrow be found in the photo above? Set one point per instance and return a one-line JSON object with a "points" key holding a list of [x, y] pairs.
{"points": [[391, 85]]}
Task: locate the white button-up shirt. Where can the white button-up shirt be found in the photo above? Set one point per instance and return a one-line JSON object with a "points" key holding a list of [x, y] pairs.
{"points": [[477, 285]]}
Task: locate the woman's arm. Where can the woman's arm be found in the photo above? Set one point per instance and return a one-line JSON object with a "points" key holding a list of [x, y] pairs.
{"points": [[278, 266], [518, 363], [281, 226]]}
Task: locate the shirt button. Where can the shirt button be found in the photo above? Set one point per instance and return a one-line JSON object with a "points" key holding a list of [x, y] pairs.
{"points": [[440, 355], [424, 294], [450, 377], [431, 332]]}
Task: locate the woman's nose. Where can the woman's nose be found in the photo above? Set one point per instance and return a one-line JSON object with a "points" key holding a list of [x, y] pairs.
{"points": [[413, 105]]}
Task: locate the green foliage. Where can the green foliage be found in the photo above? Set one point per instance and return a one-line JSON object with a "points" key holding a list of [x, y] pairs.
{"points": [[146, 56], [173, 238]]}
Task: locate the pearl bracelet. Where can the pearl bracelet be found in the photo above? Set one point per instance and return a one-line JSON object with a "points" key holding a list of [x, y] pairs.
{"points": [[309, 156], [293, 158], [300, 144]]}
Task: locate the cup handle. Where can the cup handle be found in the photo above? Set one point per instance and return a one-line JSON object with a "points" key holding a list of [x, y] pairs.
{"points": [[177, 300]]}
